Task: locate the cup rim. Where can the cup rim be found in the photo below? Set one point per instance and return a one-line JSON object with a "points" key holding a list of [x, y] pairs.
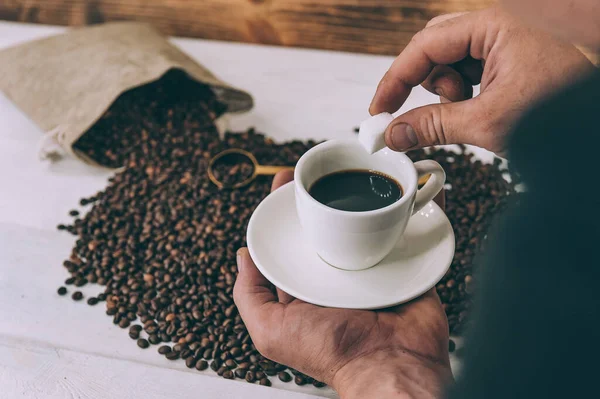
{"points": [[408, 194]]}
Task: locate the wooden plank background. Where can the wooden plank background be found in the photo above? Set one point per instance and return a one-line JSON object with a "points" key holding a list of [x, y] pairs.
{"points": [[366, 26]]}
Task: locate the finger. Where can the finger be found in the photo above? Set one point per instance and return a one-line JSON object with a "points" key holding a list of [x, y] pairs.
{"points": [[441, 44], [284, 297], [281, 178], [256, 302], [447, 83], [450, 123]]}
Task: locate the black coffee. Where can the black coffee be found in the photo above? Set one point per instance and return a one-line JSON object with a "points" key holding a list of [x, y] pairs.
{"points": [[356, 190]]}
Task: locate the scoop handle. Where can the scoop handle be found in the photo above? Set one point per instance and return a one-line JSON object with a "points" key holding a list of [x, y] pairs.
{"points": [[270, 170]]}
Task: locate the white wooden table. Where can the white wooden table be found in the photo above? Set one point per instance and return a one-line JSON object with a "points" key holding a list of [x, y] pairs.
{"points": [[52, 347]]}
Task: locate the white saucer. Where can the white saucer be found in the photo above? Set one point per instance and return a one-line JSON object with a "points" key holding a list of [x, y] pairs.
{"points": [[417, 263]]}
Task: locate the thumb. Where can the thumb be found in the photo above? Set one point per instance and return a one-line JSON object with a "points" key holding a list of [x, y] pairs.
{"points": [[436, 124]]}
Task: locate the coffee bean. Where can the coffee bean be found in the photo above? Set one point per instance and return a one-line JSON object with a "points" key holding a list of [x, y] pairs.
{"points": [[265, 381], [164, 349], [240, 373], [124, 323], [299, 380], [215, 364], [61, 227], [173, 355], [190, 362], [70, 281], [92, 301], [62, 291], [318, 384], [230, 363], [283, 376], [77, 296], [155, 340], [228, 375], [142, 343], [222, 370], [260, 375], [250, 377], [201, 365], [73, 213], [80, 282]]}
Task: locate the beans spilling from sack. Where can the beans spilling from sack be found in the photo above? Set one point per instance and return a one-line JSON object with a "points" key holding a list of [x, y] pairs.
{"points": [[161, 239]]}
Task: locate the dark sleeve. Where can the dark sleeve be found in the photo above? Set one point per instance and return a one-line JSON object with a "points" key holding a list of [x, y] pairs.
{"points": [[536, 330]]}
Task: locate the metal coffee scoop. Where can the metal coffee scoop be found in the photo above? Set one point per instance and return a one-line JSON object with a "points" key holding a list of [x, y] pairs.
{"points": [[258, 170]]}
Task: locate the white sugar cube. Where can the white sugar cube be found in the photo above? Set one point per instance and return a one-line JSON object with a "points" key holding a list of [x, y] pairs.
{"points": [[372, 132]]}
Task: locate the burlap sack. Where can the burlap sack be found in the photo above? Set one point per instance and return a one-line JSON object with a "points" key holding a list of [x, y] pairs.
{"points": [[66, 82]]}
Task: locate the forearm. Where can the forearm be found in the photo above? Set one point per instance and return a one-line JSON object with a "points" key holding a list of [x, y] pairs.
{"points": [[393, 375]]}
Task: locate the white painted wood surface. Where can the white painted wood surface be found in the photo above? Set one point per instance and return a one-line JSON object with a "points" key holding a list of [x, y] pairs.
{"points": [[51, 347]]}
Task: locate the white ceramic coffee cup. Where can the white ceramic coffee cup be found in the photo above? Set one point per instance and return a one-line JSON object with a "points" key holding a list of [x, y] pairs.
{"points": [[359, 240]]}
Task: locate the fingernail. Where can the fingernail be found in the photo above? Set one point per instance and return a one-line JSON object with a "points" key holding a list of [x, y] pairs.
{"points": [[239, 260], [403, 137]]}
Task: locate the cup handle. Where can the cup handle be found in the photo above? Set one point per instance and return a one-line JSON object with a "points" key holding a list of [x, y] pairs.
{"points": [[433, 186]]}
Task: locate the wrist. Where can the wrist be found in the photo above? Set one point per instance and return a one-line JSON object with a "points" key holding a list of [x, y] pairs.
{"points": [[393, 374]]}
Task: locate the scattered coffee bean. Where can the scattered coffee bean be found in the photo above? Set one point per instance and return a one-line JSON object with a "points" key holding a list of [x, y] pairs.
{"points": [[70, 281], [299, 380], [62, 291], [250, 377], [318, 384], [134, 334], [164, 349], [73, 213], [92, 301], [155, 340], [61, 227], [230, 363], [215, 364], [201, 365], [173, 355], [77, 296], [283, 376], [228, 375], [265, 381], [124, 323], [142, 343], [240, 373], [190, 362]]}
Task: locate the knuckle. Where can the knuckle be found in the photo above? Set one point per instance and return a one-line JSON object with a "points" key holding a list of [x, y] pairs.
{"points": [[432, 127], [418, 38]]}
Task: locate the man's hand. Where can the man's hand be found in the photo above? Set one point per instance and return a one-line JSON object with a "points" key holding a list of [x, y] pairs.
{"points": [[515, 65], [397, 352]]}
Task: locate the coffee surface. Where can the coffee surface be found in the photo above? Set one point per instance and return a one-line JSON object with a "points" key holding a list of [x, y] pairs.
{"points": [[356, 190]]}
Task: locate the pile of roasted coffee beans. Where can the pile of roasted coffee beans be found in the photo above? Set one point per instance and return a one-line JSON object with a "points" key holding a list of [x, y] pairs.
{"points": [[121, 129], [162, 239]]}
